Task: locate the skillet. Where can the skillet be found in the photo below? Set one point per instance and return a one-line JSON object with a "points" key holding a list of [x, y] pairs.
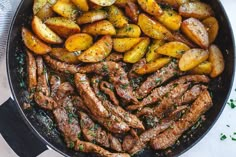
{"points": [[29, 131]]}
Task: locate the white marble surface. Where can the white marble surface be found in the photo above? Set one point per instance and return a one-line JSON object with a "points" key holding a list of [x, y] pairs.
{"points": [[209, 146]]}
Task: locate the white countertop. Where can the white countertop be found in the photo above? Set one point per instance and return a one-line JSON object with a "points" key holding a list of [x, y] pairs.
{"points": [[209, 146]]}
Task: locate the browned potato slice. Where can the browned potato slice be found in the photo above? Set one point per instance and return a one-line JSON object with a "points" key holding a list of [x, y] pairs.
{"points": [[38, 4], [81, 4], [181, 38], [124, 44], [151, 7], [195, 31], [132, 11], [77, 42], [173, 49], [153, 66], [33, 43], [45, 12], [153, 28], [192, 58], [197, 10], [217, 60], [116, 17], [45, 33], [171, 19], [130, 30], [98, 51], [62, 26], [135, 54], [92, 16], [152, 54], [172, 3], [103, 27], [103, 2], [64, 55], [94, 6], [212, 28], [123, 3], [180, 2], [203, 68], [65, 8]]}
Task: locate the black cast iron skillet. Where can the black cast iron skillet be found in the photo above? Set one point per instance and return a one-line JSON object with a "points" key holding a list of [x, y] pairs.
{"points": [[29, 131]]}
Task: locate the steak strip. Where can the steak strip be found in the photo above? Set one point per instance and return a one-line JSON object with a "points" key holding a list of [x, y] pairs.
{"points": [[55, 82], [132, 74], [32, 71], [45, 101], [107, 88]]}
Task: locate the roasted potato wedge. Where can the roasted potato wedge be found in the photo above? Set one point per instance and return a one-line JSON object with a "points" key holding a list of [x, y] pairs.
{"points": [[64, 55], [103, 2], [171, 19], [212, 28], [197, 10], [103, 27], [151, 7], [92, 16], [152, 54], [44, 32], [81, 4], [124, 44], [65, 8], [202, 69], [192, 58], [181, 38], [93, 6], [62, 26], [172, 3], [45, 12], [131, 10], [195, 31], [153, 28], [33, 43], [153, 66], [136, 53], [77, 42], [123, 3], [38, 5], [173, 49], [116, 16], [180, 2], [217, 61], [98, 51], [130, 30]]}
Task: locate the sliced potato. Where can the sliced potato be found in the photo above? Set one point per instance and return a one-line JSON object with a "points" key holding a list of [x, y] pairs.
{"points": [[171, 19], [64, 55], [153, 28], [153, 66], [152, 54], [195, 31], [217, 60], [116, 17], [197, 10], [103, 27], [77, 42], [33, 43], [65, 8], [81, 4], [172, 3], [202, 69], [130, 30], [103, 2], [135, 54], [38, 4], [45, 33], [173, 49], [192, 58], [62, 26], [92, 16], [94, 6], [45, 12], [151, 7], [212, 28], [98, 51], [131, 10], [123, 3], [124, 44]]}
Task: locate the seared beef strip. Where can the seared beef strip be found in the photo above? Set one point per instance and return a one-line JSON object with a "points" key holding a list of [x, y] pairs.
{"points": [[45, 101], [169, 137], [107, 88], [132, 74], [64, 90], [55, 82], [115, 57], [32, 71], [116, 74], [92, 102], [156, 79], [129, 142], [114, 143]]}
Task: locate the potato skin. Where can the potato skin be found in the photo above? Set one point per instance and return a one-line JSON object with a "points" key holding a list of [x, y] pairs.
{"points": [[65, 8], [81, 4], [98, 51], [192, 58], [135, 54], [92, 16], [196, 32], [130, 30], [103, 2], [45, 12], [33, 43], [124, 44], [131, 10], [212, 28], [152, 54], [116, 17], [84, 40], [204, 68], [64, 55], [151, 7], [217, 60], [38, 5]]}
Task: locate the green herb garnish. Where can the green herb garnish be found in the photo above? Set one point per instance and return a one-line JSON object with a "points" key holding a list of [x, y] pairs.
{"points": [[222, 137]]}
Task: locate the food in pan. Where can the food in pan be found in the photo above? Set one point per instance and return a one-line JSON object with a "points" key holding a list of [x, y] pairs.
{"points": [[130, 61]]}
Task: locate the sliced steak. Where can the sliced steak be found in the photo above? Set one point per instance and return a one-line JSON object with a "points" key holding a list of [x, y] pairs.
{"points": [[45, 101], [55, 82], [171, 135], [114, 143], [108, 89], [32, 72], [115, 57], [132, 74], [64, 90]]}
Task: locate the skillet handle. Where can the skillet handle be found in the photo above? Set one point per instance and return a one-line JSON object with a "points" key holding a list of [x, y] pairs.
{"points": [[16, 133]]}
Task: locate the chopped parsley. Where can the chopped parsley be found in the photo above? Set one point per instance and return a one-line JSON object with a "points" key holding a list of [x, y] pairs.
{"points": [[222, 137], [81, 147], [231, 103], [158, 80], [72, 144], [124, 86]]}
